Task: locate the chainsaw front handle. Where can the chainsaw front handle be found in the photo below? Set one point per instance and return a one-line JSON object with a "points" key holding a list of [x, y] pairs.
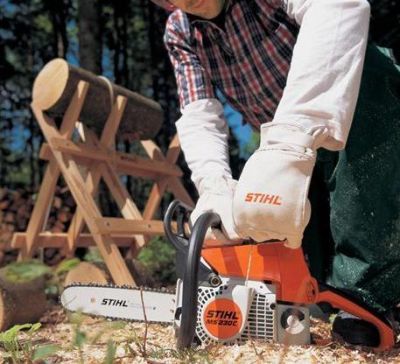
{"points": [[190, 278]]}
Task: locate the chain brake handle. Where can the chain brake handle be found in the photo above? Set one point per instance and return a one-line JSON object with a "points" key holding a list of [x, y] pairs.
{"points": [[180, 212]]}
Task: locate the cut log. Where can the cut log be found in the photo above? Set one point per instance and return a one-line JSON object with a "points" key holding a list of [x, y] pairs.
{"points": [[21, 303], [139, 273], [86, 272], [55, 85], [98, 273]]}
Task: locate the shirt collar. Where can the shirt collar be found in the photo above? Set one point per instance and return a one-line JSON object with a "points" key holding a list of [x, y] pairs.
{"points": [[193, 19]]}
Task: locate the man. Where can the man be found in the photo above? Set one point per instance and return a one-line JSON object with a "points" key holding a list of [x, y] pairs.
{"points": [[293, 69]]}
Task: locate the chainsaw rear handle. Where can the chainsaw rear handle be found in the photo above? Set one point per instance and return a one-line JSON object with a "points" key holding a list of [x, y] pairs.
{"points": [[340, 300], [190, 278], [181, 211]]}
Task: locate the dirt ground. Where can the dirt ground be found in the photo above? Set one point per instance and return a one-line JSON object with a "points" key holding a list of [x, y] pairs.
{"points": [[83, 339]]}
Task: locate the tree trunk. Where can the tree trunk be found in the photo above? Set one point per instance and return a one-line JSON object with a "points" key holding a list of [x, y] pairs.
{"points": [[89, 35], [58, 10]]}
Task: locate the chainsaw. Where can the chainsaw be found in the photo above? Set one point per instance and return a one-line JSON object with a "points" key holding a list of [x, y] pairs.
{"points": [[226, 293]]}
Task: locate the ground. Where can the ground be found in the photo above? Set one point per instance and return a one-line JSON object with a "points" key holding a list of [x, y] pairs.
{"points": [[83, 339]]}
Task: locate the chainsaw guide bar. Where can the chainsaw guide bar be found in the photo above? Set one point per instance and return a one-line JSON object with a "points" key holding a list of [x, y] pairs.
{"points": [[120, 302]]}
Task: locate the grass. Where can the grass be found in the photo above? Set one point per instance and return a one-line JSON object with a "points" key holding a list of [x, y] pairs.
{"points": [[24, 351]]}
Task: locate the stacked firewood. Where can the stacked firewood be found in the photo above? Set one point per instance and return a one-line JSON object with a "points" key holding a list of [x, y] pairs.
{"points": [[61, 211], [15, 210]]}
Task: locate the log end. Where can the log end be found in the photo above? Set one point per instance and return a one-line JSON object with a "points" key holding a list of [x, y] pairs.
{"points": [[50, 83], [21, 303], [86, 272]]}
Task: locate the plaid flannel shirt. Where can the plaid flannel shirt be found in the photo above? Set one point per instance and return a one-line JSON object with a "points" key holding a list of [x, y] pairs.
{"points": [[247, 58]]}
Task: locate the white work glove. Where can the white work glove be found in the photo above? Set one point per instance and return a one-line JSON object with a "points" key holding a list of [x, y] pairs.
{"points": [[203, 135], [270, 200], [216, 195]]}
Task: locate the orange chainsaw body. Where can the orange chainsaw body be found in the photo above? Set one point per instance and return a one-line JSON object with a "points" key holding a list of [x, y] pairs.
{"points": [[287, 270]]}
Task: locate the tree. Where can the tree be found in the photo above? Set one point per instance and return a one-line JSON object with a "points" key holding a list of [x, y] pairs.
{"points": [[89, 35], [25, 29]]}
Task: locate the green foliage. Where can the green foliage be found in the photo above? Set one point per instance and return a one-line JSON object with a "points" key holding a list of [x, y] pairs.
{"points": [[20, 176], [9, 340], [66, 265], [110, 353], [93, 256], [116, 325], [20, 272], [79, 339], [55, 284], [44, 351], [253, 143], [26, 33], [80, 336], [159, 258], [19, 351]]}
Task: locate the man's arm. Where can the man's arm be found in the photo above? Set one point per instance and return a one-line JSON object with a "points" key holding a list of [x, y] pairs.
{"points": [[202, 129], [316, 110], [325, 73]]}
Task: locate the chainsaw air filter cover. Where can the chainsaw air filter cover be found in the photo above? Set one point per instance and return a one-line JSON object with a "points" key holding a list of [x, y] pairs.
{"points": [[224, 315], [239, 310], [235, 311]]}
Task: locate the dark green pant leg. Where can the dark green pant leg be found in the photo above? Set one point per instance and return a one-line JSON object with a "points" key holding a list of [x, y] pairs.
{"points": [[318, 244], [365, 201]]}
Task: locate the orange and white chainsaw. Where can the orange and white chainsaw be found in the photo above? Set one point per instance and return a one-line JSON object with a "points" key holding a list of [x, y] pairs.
{"points": [[226, 294]]}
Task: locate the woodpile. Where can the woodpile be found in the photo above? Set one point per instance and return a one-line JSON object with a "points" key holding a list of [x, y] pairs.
{"points": [[15, 210]]}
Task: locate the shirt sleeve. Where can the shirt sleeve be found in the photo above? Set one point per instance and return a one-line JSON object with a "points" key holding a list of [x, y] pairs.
{"points": [[325, 73], [192, 81]]}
